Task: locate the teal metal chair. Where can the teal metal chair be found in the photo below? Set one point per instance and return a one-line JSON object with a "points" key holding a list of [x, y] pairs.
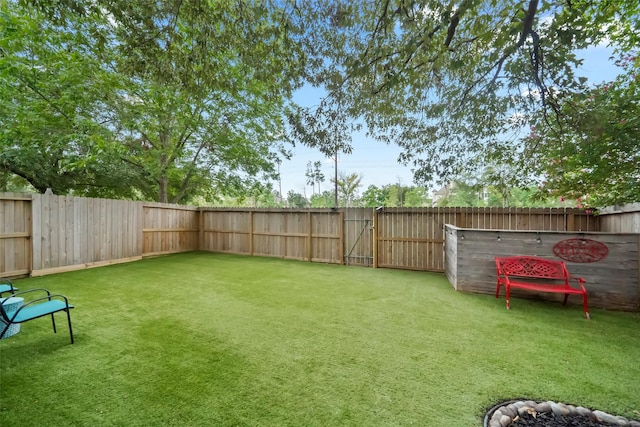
{"points": [[35, 308], [6, 286]]}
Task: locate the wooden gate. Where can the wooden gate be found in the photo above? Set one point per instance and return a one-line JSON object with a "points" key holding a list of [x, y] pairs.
{"points": [[358, 236]]}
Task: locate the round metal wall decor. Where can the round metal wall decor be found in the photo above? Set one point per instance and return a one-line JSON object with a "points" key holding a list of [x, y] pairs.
{"points": [[581, 250]]}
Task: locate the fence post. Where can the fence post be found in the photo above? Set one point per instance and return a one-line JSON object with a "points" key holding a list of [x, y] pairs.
{"points": [[375, 238], [36, 232], [309, 237], [341, 234], [201, 230], [251, 232]]}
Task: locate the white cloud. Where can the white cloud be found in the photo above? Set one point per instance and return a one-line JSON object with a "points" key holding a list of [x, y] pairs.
{"points": [[110, 18], [535, 93]]}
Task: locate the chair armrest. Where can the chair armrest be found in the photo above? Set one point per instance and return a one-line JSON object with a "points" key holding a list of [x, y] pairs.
{"points": [[35, 301], [3, 313], [4, 282], [32, 290]]}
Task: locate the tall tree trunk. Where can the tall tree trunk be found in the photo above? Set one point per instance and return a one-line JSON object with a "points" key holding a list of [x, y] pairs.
{"points": [[163, 179], [335, 180], [163, 184]]}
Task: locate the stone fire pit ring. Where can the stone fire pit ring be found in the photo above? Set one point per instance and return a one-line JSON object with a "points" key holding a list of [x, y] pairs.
{"points": [[506, 413]]}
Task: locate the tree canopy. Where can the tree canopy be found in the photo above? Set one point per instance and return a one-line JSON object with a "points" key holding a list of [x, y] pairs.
{"points": [[175, 100], [457, 84], [51, 107], [164, 99], [591, 152]]}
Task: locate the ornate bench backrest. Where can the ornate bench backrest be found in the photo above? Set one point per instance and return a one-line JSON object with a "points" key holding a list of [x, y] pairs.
{"points": [[524, 266]]}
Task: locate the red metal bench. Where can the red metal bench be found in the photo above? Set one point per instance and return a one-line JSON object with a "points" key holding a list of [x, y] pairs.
{"points": [[545, 276]]}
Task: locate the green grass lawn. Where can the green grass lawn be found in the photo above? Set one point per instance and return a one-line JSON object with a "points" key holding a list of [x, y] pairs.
{"points": [[221, 340]]}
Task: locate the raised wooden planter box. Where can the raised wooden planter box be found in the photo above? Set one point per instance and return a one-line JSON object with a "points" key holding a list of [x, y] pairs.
{"points": [[612, 283]]}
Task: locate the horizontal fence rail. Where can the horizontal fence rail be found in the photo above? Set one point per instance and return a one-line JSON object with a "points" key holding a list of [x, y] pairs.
{"points": [[45, 233]]}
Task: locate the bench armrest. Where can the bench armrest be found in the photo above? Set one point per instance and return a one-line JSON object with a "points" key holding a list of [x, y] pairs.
{"points": [[500, 274], [580, 281], [503, 278]]}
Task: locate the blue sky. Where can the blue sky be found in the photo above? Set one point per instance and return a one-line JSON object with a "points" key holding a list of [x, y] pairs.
{"points": [[376, 161]]}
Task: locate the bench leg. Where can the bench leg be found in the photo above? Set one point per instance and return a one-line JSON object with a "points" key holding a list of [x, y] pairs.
{"points": [[566, 296], [508, 295], [586, 307], [498, 290]]}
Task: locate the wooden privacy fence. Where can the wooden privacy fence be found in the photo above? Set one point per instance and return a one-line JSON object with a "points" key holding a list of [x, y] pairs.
{"points": [[66, 233], [43, 234], [311, 235], [413, 238], [169, 229], [46, 234], [404, 238], [621, 219]]}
